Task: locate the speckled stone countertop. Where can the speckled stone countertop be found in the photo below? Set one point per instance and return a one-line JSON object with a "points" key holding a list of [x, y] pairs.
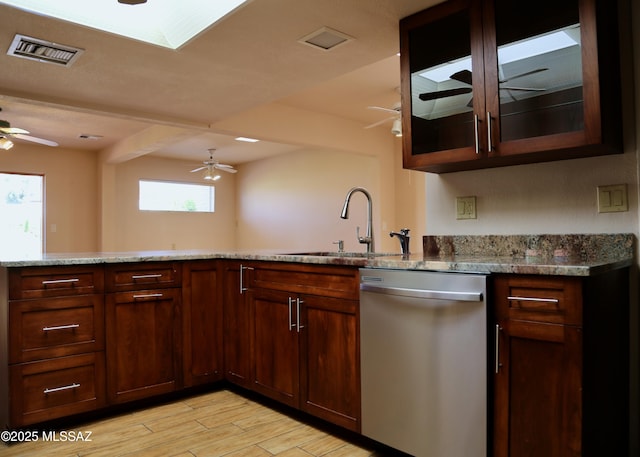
{"points": [[567, 255]]}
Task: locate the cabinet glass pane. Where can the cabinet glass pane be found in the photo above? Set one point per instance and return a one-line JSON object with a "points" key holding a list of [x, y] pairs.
{"points": [[539, 68], [441, 92]]}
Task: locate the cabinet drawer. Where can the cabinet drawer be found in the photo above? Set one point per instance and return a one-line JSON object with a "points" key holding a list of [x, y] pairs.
{"points": [[55, 327], [135, 276], [41, 282], [338, 282], [49, 389], [555, 300]]}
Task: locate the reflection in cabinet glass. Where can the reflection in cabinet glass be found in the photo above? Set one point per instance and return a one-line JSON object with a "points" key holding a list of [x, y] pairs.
{"points": [[441, 91], [539, 69]]}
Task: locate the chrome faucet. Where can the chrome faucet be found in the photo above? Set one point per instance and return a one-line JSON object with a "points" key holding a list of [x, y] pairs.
{"points": [[368, 238], [404, 238]]}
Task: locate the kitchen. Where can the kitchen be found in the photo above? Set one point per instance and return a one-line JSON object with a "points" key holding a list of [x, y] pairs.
{"points": [[555, 197]]}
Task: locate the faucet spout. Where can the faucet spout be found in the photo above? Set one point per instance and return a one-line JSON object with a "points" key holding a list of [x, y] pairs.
{"points": [[368, 238], [404, 238]]}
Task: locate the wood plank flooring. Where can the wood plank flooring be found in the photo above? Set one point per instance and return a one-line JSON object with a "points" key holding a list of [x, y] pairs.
{"points": [[220, 423]]}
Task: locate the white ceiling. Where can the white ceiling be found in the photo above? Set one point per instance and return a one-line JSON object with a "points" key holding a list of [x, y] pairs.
{"points": [[120, 87]]}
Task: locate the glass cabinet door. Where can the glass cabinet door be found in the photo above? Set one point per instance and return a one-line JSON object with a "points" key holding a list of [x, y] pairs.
{"points": [[442, 89], [538, 73]]}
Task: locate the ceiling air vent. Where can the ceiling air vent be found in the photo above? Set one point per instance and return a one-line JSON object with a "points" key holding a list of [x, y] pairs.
{"points": [[43, 51], [325, 39]]}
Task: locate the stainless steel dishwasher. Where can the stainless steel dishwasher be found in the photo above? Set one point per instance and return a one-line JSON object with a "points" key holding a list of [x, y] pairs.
{"points": [[423, 342]]}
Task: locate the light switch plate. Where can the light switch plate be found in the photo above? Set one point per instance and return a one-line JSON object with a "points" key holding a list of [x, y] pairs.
{"points": [[466, 208], [613, 198]]}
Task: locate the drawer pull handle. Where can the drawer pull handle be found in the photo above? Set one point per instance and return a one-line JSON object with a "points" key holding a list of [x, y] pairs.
{"points": [[59, 281], [59, 389], [134, 277], [542, 300], [135, 297], [60, 327]]}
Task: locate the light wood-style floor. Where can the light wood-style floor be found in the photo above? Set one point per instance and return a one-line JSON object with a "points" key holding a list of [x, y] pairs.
{"points": [[220, 423]]}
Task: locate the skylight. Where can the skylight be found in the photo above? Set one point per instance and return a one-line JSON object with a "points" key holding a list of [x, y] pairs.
{"points": [[166, 23]]}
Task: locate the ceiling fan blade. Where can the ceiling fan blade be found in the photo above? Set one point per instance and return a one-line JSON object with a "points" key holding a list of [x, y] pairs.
{"points": [[464, 76], [526, 89], [34, 139], [526, 73], [388, 110], [228, 170], [444, 93], [12, 130], [198, 169], [375, 124]]}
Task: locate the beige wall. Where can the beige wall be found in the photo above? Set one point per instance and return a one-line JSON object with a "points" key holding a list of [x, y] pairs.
{"points": [[146, 230], [293, 201], [70, 193]]}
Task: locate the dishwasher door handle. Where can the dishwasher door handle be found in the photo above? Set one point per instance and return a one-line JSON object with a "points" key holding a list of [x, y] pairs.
{"points": [[422, 293]]}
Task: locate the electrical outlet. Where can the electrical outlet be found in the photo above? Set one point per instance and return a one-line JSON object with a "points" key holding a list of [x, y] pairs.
{"points": [[466, 208], [612, 199]]}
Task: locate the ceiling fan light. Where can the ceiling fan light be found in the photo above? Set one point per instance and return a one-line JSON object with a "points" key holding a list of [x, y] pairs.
{"points": [[396, 128], [6, 144], [209, 175]]}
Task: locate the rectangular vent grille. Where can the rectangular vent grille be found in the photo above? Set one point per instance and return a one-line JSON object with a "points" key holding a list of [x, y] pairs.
{"points": [[325, 39], [43, 51]]}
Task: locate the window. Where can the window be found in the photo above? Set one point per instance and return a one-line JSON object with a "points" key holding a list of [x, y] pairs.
{"points": [[174, 196], [21, 206]]}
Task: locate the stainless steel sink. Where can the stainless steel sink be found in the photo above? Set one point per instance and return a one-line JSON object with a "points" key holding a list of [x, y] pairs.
{"points": [[344, 254]]}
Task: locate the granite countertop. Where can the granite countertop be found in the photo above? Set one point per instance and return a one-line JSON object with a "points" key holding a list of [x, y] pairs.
{"points": [[568, 255]]}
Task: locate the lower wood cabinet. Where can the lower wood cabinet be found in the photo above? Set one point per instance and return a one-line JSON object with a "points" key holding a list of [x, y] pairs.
{"points": [[54, 388], [561, 375], [52, 343], [330, 360], [237, 322], [304, 336], [143, 344], [202, 328]]}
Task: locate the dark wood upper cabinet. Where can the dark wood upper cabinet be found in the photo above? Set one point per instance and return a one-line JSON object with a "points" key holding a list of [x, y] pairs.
{"points": [[491, 83]]}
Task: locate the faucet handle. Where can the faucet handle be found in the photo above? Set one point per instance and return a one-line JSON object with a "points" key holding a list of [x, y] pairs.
{"points": [[340, 244], [362, 239]]}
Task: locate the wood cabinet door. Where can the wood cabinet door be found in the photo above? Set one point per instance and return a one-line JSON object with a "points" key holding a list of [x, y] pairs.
{"points": [[548, 98], [538, 390], [143, 343], [443, 96], [330, 360], [237, 323], [274, 342], [202, 323]]}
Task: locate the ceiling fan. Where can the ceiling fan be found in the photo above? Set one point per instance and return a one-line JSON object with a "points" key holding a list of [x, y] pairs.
{"points": [[396, 128], [465, 76], [211, 165], [7, 132]]}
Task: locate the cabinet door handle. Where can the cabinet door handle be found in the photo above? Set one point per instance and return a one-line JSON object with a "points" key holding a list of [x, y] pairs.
{"points": [[59, 281], [489, 140], [59, 389], [150, 276], [242, 268], [498, 364], [476, 124], [136, 297], [298, 325], [291, 324], [542, 300], [60, 327]]}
